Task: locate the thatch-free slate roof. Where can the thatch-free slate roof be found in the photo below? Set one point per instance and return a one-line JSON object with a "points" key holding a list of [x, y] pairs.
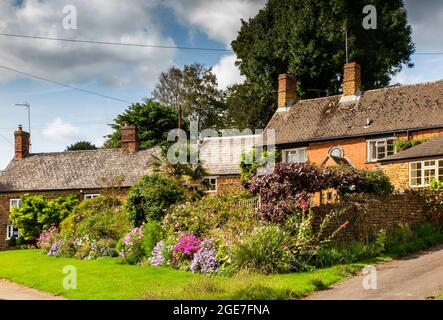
{"points": [[75, 170], [431, 148], [222, 155], [393, 109]]}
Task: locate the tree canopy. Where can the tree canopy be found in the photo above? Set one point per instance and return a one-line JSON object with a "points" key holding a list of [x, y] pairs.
{"points": [[81, 145], [306, 38], [192, 91], [152, 119]]}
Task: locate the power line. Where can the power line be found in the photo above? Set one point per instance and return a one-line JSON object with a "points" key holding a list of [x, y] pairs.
{"points": [[126, 44], [78, 124], [65, 85], [6, 139]]}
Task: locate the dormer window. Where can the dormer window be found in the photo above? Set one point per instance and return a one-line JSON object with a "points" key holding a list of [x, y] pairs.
{"points": [[380, 148]]}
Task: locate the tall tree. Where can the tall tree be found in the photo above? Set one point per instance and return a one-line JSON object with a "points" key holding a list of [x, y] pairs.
{"points": [[152, 119], [306, 38], [81, 145], [193, 91]]}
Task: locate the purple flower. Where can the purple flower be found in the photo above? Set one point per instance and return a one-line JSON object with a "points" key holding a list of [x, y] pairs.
{"points": [[157, 259], [205, 259]]}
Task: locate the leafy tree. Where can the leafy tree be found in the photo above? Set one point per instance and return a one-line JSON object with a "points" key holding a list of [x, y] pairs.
{"points": [[81, 145], [37, 213], [182, 172], [152, 119], [306, 38], [151, 196], [246, 109], [250, 161], [192, 91]]}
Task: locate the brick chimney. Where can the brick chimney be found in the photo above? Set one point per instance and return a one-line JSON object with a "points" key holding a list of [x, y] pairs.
{"points": [[22, 143], [129, 138], [287, 91], [351, 79]]}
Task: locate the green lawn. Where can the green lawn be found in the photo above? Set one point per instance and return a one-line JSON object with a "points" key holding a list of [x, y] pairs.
{"points": [[107, 279]]}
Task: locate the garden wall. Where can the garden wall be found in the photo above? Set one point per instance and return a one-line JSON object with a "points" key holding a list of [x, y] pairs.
{"points": [[367, 215]]}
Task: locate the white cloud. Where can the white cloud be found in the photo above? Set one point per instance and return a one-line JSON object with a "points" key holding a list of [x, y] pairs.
{"points": [[227, 72], [115, 21], [220, 20], [59, 131]]}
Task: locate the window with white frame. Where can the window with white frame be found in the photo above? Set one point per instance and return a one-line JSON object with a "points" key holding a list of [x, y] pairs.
{"points": [[210, 184], [11, 231], [421, 173], [380, 149], [297, 155], [92, 196]]}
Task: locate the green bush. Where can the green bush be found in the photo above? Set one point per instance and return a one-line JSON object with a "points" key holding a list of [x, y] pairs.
{"points": [[436, 184], [376, 182], [263, 251], [150, 197], [211, 213], [408, 239], [97, 218], [37, 213], [93, 229], [152, 234], [402, 144], [349, 252], [251, 161]]}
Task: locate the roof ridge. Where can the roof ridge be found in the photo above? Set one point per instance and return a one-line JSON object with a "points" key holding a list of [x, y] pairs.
{"points": [[393, 87]]}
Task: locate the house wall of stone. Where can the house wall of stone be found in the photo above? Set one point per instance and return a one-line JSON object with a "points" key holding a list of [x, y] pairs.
{"points": [[6, 197], [229, 183], [398, 173]]}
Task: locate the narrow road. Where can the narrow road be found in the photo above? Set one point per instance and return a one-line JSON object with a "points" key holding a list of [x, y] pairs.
{"points": [[12, 291], [415, 277]]}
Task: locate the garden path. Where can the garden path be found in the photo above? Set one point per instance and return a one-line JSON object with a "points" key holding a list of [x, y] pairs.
{"points": [[13, 291], [415, 277]]}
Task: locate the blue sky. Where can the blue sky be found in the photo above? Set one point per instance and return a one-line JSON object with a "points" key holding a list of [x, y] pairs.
{"points": [[61, 116]]}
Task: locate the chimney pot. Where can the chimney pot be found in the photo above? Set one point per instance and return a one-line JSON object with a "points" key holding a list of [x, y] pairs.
{"points": [[351, 79], [129, 138], [287, 90], [22, 143]]}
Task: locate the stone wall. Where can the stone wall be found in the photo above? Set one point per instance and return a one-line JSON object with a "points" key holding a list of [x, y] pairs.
{"points": [[398, 173], [367, 215], [229, 183]]}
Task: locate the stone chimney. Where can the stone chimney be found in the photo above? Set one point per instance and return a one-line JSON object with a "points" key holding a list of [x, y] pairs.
{"points": [[22, 143], [129, 138], [287, 91], [351, 79]]}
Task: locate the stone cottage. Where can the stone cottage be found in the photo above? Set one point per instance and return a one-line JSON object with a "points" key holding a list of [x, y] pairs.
{"points": [[86, 174]]}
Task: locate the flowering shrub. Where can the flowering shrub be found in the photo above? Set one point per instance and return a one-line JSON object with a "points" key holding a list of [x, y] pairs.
{"points": [[53, 250], [209, 213], [282, 189], [46, 239], [163, 252], [157, 259], [185, 248], [85, 247], [131, 246], [205, 260]]}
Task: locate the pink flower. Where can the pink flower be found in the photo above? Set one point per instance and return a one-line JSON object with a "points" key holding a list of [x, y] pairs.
{"points": [[303, 204]]}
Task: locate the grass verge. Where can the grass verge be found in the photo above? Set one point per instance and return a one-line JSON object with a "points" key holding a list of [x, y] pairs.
{"points": [[107, 279]]}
